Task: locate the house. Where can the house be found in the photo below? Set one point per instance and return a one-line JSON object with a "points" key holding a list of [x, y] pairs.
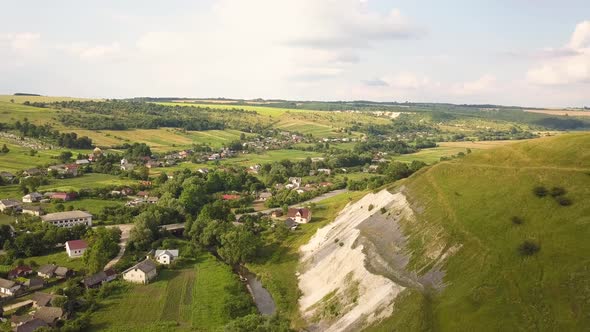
{"points": [[299, 215], [34, 283], [166, 256], [68, 219], [228, 197], [203, 170], [111, 275], [66, 197], [325, 184], [76, 248], [276, 214], [291, 224], [127, 191], [141, 273], [50, 315], [143, 194], [41, 299], [153, 164], [127, 167], [8, 287], [47, 271], [30, 325], [82, 162], [62, 272], [20, 271], [9, 204], [295, 181], [326, 171], [152, 200], [264, 196], [32, 172], [95, 280], [7, 176], [33, 210], [32, 198]]}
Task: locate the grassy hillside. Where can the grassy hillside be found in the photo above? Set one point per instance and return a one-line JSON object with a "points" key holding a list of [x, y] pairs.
{"points": [[470, 204]]}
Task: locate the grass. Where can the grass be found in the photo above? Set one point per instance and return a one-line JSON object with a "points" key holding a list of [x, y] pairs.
{"points": [[58, 257], [469, 204], [189, 299], [277, 266]]}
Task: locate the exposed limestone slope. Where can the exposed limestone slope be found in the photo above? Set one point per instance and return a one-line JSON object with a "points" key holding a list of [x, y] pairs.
{"points": [[353, 269]]}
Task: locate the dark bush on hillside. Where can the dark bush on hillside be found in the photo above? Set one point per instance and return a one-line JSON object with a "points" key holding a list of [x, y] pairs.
{"points": [[517, 220], [383, 210], [540, 191], [371, 206], [563, 201], [557, 191], [528, 248]]}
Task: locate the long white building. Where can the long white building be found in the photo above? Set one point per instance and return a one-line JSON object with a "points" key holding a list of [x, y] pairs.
{"points": [[68, 219]]}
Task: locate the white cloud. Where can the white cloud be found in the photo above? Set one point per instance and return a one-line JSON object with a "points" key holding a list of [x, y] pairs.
{"points": [[484, 84], [88, 51], [570, 65], [20, 42]]}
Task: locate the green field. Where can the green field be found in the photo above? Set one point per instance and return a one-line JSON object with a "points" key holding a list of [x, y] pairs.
{"points": [[469, 204], [190, 299], [58, 257], [278, 265], [91, 180]]}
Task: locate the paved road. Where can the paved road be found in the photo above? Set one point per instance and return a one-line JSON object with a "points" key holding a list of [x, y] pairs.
{"points": [[313, 200]]}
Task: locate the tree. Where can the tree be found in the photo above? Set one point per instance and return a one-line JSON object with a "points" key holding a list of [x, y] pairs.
{"points": [[103, 244], [259, 323], [65, 156], [238, 246], [5, 149]]}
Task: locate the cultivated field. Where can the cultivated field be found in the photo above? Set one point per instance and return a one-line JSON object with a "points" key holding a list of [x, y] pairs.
{"points": [[189, 299], [561, 112]]}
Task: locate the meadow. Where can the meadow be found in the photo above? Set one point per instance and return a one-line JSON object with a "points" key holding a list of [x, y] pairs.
{"points": [[472, 203], [191, 298]]}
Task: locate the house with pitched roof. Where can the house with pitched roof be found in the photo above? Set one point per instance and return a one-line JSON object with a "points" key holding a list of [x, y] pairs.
{"points": [[141, 273], [166, 256], [299, 215], [76, 248]]}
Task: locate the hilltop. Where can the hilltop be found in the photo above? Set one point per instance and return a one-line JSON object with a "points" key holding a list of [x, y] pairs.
{"points": [[460, 244]]}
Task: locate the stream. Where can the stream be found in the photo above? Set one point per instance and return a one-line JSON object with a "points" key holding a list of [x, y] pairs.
{"points": [[262, 298]]}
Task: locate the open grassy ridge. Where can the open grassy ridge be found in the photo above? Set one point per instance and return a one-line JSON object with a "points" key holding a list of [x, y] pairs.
{"points": [[469, 204]]}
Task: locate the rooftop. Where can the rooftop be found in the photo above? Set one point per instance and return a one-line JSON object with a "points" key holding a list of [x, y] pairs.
{"points": [[66, 215]]}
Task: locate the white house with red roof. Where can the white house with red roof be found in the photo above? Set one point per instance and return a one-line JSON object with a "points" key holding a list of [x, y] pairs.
{"points": [[299, 215], [76, 248]]}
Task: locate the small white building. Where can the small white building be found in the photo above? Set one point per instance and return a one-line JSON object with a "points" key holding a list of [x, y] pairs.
{"points": [[8, 287], [166, 256], [32, 198], [141, 273], [76, 248]]}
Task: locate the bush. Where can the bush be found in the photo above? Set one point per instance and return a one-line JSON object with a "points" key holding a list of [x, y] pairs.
{"points": [[540, 191], [557, 191], [528, 248], [371, 206], [383, 210], [517, 220], [563, 201]]}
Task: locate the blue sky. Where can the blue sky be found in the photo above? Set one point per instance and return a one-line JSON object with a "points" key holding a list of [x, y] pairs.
{"points": [[519, 52]]}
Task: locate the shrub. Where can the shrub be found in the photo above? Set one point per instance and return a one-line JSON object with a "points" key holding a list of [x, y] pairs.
{"points": [[383, 210], [517, 220], [540, 191], [529, 248], [341, 244], [336, 240], [371, 206], [563, 201], [557, 191]]}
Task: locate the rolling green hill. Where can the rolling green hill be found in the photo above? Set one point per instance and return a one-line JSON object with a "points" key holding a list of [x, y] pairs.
{"points": [[477, 212]]}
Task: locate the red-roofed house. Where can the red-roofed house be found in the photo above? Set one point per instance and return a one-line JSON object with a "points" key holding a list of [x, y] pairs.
{"points": [[76, 248], [299, 215], [71, 169], [63, 196], [228, 197], [20, 271]]}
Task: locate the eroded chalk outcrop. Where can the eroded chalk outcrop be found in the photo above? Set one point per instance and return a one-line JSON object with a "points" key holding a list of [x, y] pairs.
{"points": [[353, 269]]}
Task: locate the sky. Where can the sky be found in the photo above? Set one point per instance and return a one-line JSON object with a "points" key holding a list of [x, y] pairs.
{"points": [[508, 52]]}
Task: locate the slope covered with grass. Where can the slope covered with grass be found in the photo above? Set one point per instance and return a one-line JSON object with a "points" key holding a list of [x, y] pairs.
{"points": [[484, 208]]}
